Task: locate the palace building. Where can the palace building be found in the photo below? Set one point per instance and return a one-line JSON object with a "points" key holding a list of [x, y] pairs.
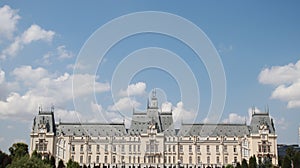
{"points": [[153, 141]]}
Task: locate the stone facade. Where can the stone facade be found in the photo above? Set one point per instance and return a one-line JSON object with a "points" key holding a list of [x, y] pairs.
{"points": [[153, 141]]}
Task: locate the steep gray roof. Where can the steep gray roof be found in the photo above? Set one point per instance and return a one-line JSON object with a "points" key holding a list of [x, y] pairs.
{"points": [[44, 118], [167, 125], [139, 124], [213, 130], [259, 119], [92, 129]]}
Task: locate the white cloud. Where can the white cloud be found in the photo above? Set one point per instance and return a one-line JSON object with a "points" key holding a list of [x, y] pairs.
{"points": [[277, 75], [45, 88], [28, 75], [235, 118], [166, 107], [180, 113], [2, 76], [281, 123], [67, 116], [134, 89], [63, 53], [124, 104], [8, 19], [33, 33], [287, 81], [6, 87]]}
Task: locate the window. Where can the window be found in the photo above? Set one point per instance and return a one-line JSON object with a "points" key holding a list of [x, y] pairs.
{"points": [[129, 159], [98, 148], [73, 148], [225, 148], [207, 149], [90, 159], [180, 148], [122, 148], [114, 148], [226, 159], [198, 148], [129, 148], [81, 148], [174, 160], [235, 159], [42, 146], [190, 160], [218, 159], [208, 160], [72, 157], [174, 150], [90, 148], [97, 159], [198, 159], [139, 147], [170, 159], [190, 148], [81, 159], [105, 159], [169, 148], [106, 148], [133, 148], [217, 149], [114, 159], [234, 148]]}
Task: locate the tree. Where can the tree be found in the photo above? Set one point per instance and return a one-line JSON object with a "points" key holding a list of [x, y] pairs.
{"points": [[238, 165], [267, 162], [27, 162], [296, 160], [244, 163], [52, 161], [36, 154], [61, 164], [4, 159], [286, 162], [72, 164], [229, 166], [252, 162], [18, 150]]}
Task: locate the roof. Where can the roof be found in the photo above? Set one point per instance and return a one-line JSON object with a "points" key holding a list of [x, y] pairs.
{"points": [[259, 119], [91, 129], [213, 130], [46, 119]]}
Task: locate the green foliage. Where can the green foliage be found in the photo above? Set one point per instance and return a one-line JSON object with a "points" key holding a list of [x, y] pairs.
{"points": [[28, 162], [36, 154], [238, 165], [61, 164], [296, 160], [244, 163], [286, 162], [252, 162], [18, 150], [267, 162], [4, 159], [72, 164], [229, 166]]}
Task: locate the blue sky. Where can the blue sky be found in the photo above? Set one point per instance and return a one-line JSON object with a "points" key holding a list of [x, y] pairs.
{"points": [[40, 42]]}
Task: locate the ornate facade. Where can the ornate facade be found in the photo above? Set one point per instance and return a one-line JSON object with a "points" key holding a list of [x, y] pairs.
{"points": [[153, 141]]}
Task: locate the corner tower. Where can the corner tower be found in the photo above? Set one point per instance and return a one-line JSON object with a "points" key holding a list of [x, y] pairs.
{"points": [[42, 136]]}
